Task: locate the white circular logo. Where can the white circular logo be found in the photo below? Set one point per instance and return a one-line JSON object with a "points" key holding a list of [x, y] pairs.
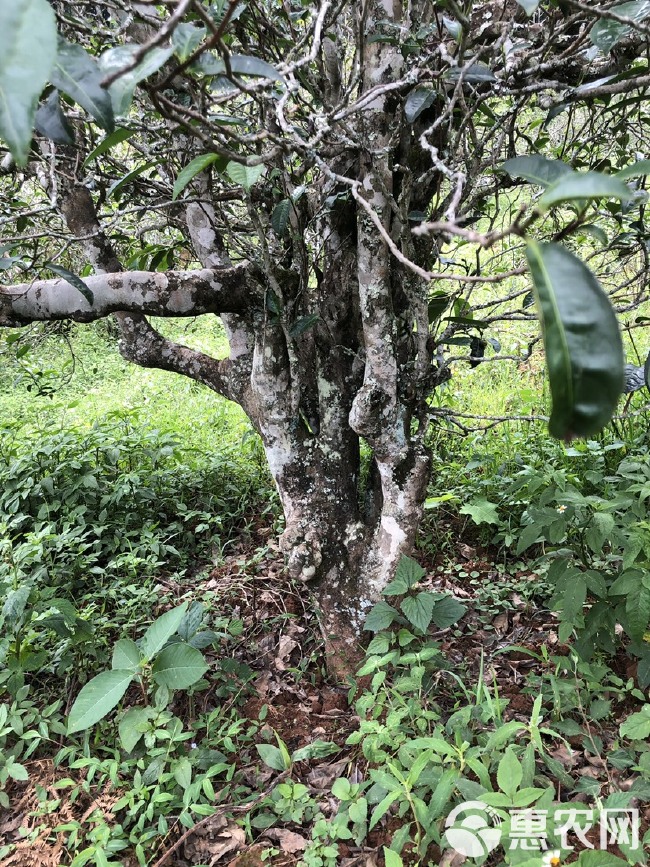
{"points": [[475, 834]]}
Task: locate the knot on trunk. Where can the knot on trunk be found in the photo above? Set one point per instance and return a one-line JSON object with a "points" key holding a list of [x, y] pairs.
{"points": [[370, 410], [302, 549]]}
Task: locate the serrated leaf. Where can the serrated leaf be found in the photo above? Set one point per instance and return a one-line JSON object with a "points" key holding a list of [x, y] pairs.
{"points": [[178, 666], [51, 122], [17, 771], [418, 610], [122, 89], [391, 858], [73, 280], [536, 169], [24, 72], [243, 175], [599, 858], [161, 630], [186, 38], [606, 33], [78, 74], [126, 655], [132, 726], [635, 170], [584, 351], [380, 617], [191, 170], [447, 611], [418, 100], [110, 141], [409, 572], [280, 217], [99, 696], [481, 511], [509, 773], [637, 610], [587, 185]]}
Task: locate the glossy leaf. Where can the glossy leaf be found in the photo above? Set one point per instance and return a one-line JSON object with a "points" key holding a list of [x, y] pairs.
{"points": [[178, 666], [304, 324], [51, 122], [73, 280], [588, 185], [186, 38], [99, 696], [536, 169], [110, 141], [584, 352], [635, 170], [161, 630], [475, 73], [418, 100], [606, 33], [280, 217], [240, 64], [191, 170], [24, 71], [243, 175], [79, 75], [118, 185], [122, 89]]}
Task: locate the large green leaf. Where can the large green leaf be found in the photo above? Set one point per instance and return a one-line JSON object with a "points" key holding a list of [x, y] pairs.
{"points": [[191, 170], [186, 38], [161, 630], [99, 696], [78, 74], [116, 59], [27, 53], [110, 141], [536, 169], [240, 64], [419, 609], [179, 666], [418, 100], [73, 280], [606, 32], [126, 655], [243, 175], [51, 122], [586, 185], [584, 352]]}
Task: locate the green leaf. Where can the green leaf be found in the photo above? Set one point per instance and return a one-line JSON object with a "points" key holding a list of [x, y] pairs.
{"points": [[118, 185], [161, 630], [99, 696], [24, 71], [481, 511], [186, 38], [272, 757], [78, 74], [441, 794], [635, 170], [407, 574], [537, 169], [382, 807], [179, 666], [475, 73], [132, 726], [73, 280], [587, 185], [17, 771], [418, 610], [392, 859], [182, 770], [126, 655], [110, 141], [115, 59], [191, 170], [509, 773], [637, 725], [51, 122], [380, 617], [280, 217], [606, 33], [243, 175], [316, 750], [529, 6], [448, 611], [584, 352], [304, 324], [637, 609], [599, 858], [418, 100], [240, 64]]}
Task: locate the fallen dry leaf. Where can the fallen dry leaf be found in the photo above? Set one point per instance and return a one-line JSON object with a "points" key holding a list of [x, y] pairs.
{"points": [[289, 841]]}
